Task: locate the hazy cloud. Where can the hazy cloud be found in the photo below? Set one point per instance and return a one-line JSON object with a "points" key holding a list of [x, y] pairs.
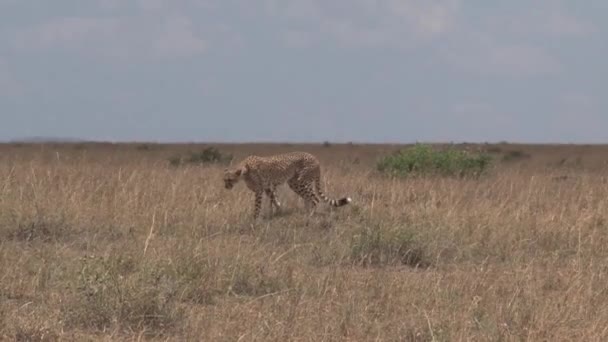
{"points": [[361, 70], [578, 101], [65, 32], [152, 5], [479, 48], [110, 4], [9, 86], [178, 39], [485, 56], [549, 19], [125, 37], [297, 38], [393, 23], [577, 117]]}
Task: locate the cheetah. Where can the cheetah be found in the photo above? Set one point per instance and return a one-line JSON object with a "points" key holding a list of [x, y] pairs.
{"points": [[262, 175]]}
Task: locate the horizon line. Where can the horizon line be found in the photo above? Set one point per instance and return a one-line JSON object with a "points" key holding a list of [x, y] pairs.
{"points": [[55, 140]]}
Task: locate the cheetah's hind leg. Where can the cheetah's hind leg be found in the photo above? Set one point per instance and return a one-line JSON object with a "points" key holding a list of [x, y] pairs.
{"points": [[303, 192], [275, 205], [312, 200]]}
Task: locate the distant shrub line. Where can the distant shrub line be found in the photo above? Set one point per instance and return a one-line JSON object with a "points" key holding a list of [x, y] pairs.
{"points": [[418, 160]]}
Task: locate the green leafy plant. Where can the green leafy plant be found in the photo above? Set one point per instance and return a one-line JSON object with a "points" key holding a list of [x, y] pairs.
{"points": [[423, 160]]}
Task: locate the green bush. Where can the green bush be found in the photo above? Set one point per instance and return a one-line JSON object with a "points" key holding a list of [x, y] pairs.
{"points": [[209, 155], [423, 160]]}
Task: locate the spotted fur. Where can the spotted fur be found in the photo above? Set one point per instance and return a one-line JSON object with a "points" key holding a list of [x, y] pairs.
{"points": [[262, 175]]}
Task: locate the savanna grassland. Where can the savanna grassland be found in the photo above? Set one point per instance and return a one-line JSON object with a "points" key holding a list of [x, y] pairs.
{"points": [[103, 242]]}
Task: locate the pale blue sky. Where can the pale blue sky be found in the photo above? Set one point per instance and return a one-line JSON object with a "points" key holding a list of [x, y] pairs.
{"points": [[305, 70]]}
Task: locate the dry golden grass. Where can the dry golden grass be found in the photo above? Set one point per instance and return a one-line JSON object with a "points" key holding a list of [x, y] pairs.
{"points": [[103, 242]]}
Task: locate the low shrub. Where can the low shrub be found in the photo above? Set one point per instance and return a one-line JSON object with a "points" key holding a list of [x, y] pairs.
{"points": [[423, 160], [209, 155], [250, 280], [112, 292], [515, 155], [44, 229], [493, 149], [377, 246]]}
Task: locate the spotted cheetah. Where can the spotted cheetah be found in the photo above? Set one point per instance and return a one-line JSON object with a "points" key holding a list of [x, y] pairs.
{"points": [[300, 170]]}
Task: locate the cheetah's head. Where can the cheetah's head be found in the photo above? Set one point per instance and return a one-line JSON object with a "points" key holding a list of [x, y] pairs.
{"points": [[232, 176]]}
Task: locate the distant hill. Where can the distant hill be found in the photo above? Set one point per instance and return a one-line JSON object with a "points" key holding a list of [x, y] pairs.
{"points": [[40, 139]]}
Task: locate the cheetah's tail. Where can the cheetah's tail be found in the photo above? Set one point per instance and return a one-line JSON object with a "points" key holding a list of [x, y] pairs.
{"points": [[333, 202]]}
